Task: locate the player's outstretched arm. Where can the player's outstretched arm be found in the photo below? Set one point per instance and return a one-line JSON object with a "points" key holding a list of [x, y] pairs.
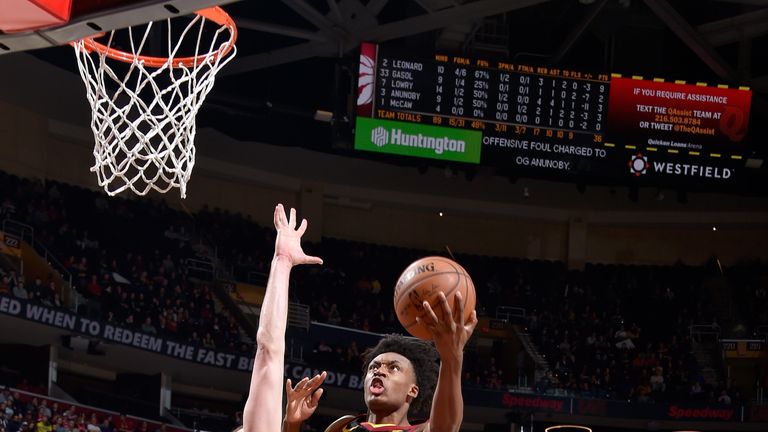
{"points": [[301, 401], [450, 335], [263, 410]]}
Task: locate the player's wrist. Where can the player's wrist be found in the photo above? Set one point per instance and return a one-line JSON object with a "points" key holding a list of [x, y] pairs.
{"points": [[451, 358], [282, 260], [291, 426]]}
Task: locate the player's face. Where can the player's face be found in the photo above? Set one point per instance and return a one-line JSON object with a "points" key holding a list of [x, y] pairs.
{"points": [[390, 382]]}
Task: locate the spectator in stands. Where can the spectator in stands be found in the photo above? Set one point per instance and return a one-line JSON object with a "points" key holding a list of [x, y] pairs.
{"points": [[334, 317], [147, 327], [60, 425], [94, 287], [696, 390], [11, 279], [643, 392], [44, 424], [14, 423], [35, 290], [8, 411], [324, 349], [93, 424], [19, 291], [70, 412], [208, 341], [623, 340], [124, 424], [657, 380], [43, 409], [33, 405], [724, 398], [494, 382], [4, 287], [106, 424], [7, 208], [353, 356], [47, 293]]}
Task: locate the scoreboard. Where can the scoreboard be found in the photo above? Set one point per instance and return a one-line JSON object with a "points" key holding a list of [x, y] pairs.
{"points": [[507, 95], [540, 120]]}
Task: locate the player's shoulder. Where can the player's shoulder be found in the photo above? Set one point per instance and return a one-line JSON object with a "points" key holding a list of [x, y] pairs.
{"points": [[338, 425], [350, 423]]}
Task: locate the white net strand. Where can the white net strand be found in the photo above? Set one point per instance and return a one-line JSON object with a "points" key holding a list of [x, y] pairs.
{"points": [[144, 130]]}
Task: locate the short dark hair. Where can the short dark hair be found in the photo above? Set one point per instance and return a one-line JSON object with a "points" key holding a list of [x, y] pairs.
{"points": [[422, 355]]}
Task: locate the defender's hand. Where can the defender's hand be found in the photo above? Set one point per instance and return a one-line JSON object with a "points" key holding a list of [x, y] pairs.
{"points": [[303, 398], [288, 242]]}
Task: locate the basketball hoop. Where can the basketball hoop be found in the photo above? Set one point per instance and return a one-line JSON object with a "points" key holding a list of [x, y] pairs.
{"points": [[144, 118]]}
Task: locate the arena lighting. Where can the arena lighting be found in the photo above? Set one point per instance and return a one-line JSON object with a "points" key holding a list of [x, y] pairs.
{"points": [[754, 163], [553, 428], [323, 116]]}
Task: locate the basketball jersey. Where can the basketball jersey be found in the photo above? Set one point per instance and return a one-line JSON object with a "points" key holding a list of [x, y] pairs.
{"points": [[358, 425]]}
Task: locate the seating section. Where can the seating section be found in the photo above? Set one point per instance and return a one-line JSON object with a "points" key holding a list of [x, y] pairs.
{"points": [[126, 258], [26, 411], [608, 331]]}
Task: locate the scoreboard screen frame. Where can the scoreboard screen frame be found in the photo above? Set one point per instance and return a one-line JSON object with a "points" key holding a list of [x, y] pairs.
{"points": [[549, 122]]}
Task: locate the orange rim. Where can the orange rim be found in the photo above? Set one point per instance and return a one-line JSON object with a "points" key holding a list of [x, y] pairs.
{"points": [[215, 14]]}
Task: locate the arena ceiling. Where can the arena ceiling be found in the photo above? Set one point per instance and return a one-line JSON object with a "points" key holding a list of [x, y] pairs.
{"points": [[299, 56]]}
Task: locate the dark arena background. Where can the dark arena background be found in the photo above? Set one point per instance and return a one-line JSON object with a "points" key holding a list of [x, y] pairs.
{"points": [[597, 166]]}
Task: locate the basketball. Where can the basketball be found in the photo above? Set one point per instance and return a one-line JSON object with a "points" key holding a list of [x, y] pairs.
{"points": [[423, 280]]}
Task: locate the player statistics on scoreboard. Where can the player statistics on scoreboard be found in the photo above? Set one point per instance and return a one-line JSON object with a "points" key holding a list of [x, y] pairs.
{"points": [[542, 119], [508, 108]]}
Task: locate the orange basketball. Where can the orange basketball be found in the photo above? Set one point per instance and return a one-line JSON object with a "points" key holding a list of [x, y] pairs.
{"points": [[423, 280]]}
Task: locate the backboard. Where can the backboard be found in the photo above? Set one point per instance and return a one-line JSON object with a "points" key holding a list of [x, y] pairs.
{"points": [[45, 23]]}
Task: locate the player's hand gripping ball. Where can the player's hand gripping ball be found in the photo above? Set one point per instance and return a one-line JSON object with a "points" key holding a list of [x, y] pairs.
{"points": [[423, 280]]}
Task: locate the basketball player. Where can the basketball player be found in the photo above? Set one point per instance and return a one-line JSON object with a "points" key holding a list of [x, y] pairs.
{"points": [[401, 373], [263, 411]]}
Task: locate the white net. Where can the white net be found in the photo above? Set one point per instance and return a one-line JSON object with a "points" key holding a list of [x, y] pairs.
{"points": [[144, 115]]}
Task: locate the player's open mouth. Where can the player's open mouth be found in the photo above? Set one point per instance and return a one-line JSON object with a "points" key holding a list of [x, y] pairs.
{"points": [[377, 387]]}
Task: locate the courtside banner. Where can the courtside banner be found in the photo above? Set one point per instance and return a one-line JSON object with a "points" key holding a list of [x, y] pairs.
{"points": [[73, 323], [418, 140]]}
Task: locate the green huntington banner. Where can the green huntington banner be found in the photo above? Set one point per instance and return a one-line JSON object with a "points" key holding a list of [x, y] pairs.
{"points": [[414, 139]]}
